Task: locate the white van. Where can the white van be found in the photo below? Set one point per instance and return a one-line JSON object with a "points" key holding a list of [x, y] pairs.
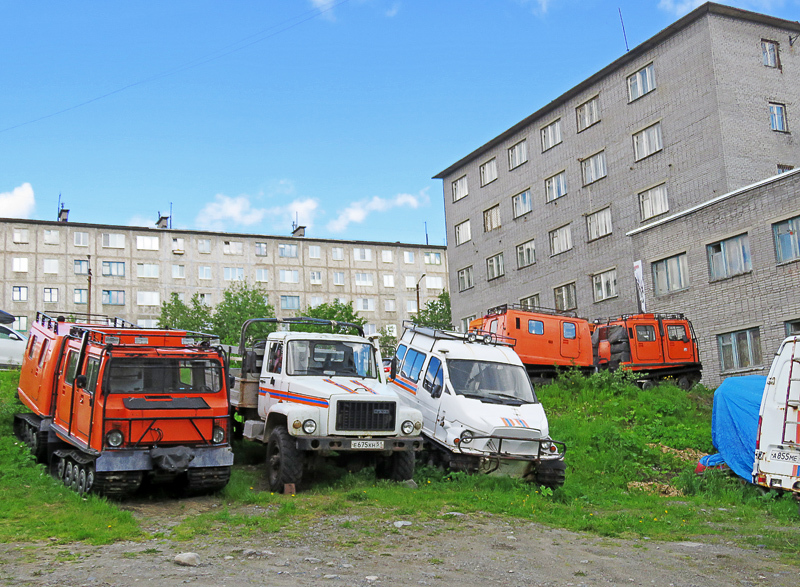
{"points": [[480, 412], [12, 347], [777, 457]]}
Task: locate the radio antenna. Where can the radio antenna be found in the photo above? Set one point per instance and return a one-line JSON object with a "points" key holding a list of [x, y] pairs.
{"points": [[624, 36]]}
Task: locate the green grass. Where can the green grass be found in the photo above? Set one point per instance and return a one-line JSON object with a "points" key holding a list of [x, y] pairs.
{"points": [[617, 435]]}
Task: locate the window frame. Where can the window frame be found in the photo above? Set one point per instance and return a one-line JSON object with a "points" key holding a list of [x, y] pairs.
{"points": [[466, 278], [456, 188], [495, 267], [555, 238], [551, 135], [517, 202], [770, 59], [647, 142], [588, 165], [553, 184], [735, 249], [592, 120], [526, 255], [570, 289], [777, 117], [459, 239], [647, 74], [604, 285], [792, 229], [662, 188], [682, 264], [485, 168], [517, 154], [596, 224], [490, 215], [752, 339]]}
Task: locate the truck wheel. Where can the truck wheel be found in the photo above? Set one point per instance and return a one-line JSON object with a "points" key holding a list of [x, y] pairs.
{"points": [[648, 384], [684, 383], [284, 461], [551, 474], [398, 467]]}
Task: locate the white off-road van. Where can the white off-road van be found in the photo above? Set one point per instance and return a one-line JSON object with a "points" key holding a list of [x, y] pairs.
{"points": [[479, 408], [777, 457], [311, 395]]}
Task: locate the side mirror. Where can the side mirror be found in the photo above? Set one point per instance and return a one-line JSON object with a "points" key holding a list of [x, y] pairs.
{"points": [[685, 339], [80, 382], [393, 370], [603, 352], [231, 381], [436, 391]]}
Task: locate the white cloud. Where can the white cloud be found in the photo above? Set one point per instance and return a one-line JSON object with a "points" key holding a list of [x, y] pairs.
{"points": [[540, 6], [139, 220], [357, 212], [680, 7], [18, 203], [225, 211], [325, 7], [302, 210]]}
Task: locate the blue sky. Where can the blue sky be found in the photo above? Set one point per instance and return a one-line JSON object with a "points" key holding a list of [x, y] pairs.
{"points": [[243, 116]]}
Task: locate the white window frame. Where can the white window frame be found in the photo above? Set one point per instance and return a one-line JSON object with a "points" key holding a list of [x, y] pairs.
{"points": [[670, 274], [588, 113], [653, 201], [314, 252], [362, 254], [233, 273], [51, 237], [204, 272], [770, 55], [315, 277], [80, 296], [148, 298], [363, 279], [641, 83], [21, 236], [289, 276], [521, 203], [147, 270], [488, 171], [495, 267], [729, 257], [777, 117], [178, 272], [387, 256], [593, 168], [604, 285], [411, 306], [647, 141], [50, 266], [463, 232], [411, 282], [232, 247], [598, 224], [460, 188], [389, 305], [566, 296], [365, 304], [111, 240], [551, 135], [433, 258], [388, 280], [518, 154], [315, 301], [740, 349], [526, 254], [260, 249], [560, 240], [204, 246], [491, 218], [530, 302], [287, 251], [80, 239], [408, 257], [146, 243], [434, 282], [337, 253], [262, 275], [178, 245], [19, 264], [465, 279], [338, 278]]}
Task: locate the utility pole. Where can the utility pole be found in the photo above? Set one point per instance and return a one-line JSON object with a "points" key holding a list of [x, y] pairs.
{"points": [[418, 282]]}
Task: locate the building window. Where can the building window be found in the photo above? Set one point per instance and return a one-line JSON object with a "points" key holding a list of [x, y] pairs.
{"points": [[408, 257], [391, 329], [390, 305], [465, 322], [555, 186], [261, 249], [289, 276], [739, 350], [670, 274], [178, 272], [19, 264], [560, 240], [338, 278], [113, 297], [465, 280], [599, 223], [411, 306], [80, 267], [315, 301], [411, 282], [491, 218], [526, 254], [51, 237], [288, 251], [588, 113], [460, 188], [315, 277], [113, 268], [233, 273], [605, 285], [432, 258], [521, 203], [518, 154], [19, 293], [594, 168], [314, 252], [50, 266], [642, 82], [205, 298], [360, 254], [365, 304], [777, 117], [784, 168], [787, 239], [364, 279], [792, 327], [203, 272], [388, 280], [494, 267], [488, 172], [290, 302], [551, 135], [387, 256], [204, 245], [530, 303], [51, 295], [232, 247], [729, 257], [147, 298], [463, 233], [113, 241], [146, 270], [147, 243], [337, 253], [653, 201], [178, 246], [769, 54], [21, 236], [81, 239], [565, 297], [147, 323], [647, 142], [434, 282], [262, 275], [80, 296], [20, 323]]}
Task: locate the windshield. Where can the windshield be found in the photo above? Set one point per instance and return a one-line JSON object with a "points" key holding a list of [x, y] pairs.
{"points": [[331, 358], [491, 382], [163, 376]]}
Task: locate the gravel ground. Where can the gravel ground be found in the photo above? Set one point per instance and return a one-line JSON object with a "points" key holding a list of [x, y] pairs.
{"points": [[462, 550]]}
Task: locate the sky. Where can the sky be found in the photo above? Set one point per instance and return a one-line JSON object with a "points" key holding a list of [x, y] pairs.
{"points": [[248, 116]]}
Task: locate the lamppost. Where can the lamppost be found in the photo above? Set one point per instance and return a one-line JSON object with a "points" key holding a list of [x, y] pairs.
{"points": [[418, 282], [89, 292]]}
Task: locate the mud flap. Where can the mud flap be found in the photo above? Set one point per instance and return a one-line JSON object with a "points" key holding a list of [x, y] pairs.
{"points": [[173, 459]]}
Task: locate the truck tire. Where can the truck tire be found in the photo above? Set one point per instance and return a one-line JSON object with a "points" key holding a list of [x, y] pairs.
{"points": [[551, 474], [398, 467], [684, 382], [284, 461]]}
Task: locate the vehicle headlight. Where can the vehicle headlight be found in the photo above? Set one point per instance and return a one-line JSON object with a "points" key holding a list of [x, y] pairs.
{"points": [[114, 438], [544, 446], [309, 426], [466, 437], [217, 435], [407, 427]]}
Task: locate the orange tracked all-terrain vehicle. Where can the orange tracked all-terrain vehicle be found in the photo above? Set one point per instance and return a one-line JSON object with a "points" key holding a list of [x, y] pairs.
{"points": [[547, 340], [114, 405]]}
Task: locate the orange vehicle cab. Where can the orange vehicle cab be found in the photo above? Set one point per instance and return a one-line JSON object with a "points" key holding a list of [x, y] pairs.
{"points": [[655, 346], [547, 340], [113, 405]]}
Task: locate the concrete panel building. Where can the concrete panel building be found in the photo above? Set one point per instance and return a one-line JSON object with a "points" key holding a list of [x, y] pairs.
{"points": [[539, 215], [44, 266]]}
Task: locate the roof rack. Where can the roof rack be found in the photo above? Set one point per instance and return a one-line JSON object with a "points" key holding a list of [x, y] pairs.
{"points": [[473, 336], [83, 318], [503, 308], [302, 320], [651, 315], [140, 336]]}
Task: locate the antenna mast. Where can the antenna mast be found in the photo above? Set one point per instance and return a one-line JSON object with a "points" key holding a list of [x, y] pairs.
{"points": [[624, 36]]}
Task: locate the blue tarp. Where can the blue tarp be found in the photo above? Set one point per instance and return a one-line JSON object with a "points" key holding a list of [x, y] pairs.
{"points": [[734, 421]]}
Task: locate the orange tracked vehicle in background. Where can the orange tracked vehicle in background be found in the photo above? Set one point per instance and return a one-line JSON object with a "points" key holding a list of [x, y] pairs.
{"points": [[547, 340], [654, 346], [113, 405]]}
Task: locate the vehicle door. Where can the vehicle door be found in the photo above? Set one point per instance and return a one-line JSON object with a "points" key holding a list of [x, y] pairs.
{"points": [[83, 399], [272, 376], [64, 405], [646, 342], [430, 395], [570, 345], [680, 348], [408, 378]]}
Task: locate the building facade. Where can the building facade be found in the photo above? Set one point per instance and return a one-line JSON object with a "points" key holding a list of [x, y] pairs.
{"points": [[45, 266], [539, 215]]}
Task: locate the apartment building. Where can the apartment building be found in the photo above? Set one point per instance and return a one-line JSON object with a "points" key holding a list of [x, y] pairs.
{"points": [[540, 215], [45, 266]]}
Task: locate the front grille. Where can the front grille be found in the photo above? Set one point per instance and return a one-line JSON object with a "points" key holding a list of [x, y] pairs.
{"points": [[365, 415]]}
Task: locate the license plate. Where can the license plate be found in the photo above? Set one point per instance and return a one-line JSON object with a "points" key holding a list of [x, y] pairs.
{"points": [[784, 456], [367, 444]]}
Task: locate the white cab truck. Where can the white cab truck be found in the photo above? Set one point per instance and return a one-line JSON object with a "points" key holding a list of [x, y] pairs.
{"points": [[777, 458], [479, 408], [311, 395]]}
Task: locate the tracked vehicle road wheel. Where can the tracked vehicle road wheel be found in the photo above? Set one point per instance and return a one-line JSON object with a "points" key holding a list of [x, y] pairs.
{"points": [[81, 485], [67, 476], [284, 461], [76, 471]]}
